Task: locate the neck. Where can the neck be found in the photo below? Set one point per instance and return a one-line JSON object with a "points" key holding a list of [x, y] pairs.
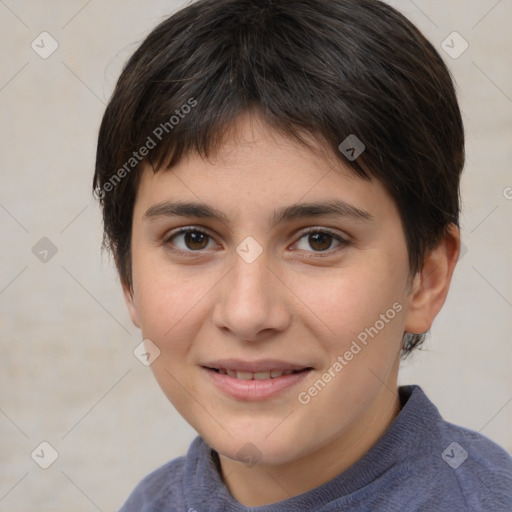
{"points": [[264, 484]]}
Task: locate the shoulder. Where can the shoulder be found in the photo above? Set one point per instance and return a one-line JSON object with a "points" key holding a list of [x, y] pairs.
{"points": [[461, 468], [161, 485], [481, 468]]}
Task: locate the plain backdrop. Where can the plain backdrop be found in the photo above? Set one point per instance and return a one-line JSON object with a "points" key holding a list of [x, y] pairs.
{"points": [[68, 374]]}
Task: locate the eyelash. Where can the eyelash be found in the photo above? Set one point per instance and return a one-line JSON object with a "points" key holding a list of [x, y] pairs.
{"points": [[318, 254]]}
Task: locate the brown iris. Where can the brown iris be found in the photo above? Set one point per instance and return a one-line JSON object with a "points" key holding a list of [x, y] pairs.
{"points": [[323, 239], [196, 237]]}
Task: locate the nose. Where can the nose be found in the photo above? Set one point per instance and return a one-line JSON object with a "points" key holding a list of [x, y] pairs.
{"points": [[252, 303]]}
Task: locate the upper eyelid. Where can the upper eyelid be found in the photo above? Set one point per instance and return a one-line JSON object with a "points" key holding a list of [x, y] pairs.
{"points": [[185, 229]]}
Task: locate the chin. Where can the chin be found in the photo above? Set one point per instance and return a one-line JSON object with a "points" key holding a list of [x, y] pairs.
{"points": [[250, 451]]}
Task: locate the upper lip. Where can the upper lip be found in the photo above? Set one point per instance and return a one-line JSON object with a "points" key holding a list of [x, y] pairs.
{"points": [[262, 365]]}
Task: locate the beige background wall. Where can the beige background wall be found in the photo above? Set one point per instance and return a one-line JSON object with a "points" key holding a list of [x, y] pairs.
{"points": [[68, 375]]}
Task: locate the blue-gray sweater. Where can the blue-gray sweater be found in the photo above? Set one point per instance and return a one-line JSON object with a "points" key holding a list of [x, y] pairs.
{"points": [[422, 463]]}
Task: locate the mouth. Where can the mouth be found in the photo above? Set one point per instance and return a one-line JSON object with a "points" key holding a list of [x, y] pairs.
{"points": [[244, 375], [258, 380]]}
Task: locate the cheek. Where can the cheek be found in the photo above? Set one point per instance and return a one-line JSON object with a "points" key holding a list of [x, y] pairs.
{"points": [[347, 304], [162, 298], [168, 303]]}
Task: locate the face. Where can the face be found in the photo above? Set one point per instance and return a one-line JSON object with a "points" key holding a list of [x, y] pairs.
{"points": [[278, 325]]}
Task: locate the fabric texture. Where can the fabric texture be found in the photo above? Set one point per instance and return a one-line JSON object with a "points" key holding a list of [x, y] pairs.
{"points": [[421, 464]]}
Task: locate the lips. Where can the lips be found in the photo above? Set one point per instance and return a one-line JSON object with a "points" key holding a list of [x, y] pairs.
{"points": [[255, 380]]}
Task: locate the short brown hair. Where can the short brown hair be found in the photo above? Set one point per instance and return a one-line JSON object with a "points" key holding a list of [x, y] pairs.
{"points": [[331, 68]]}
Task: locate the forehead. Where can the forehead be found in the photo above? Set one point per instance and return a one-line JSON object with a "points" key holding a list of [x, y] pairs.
{"points": [[256, 168]]}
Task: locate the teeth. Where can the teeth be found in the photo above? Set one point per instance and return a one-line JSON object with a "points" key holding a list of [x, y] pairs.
{"points": [[261, 375], [244, 375], [273, 374], [278, 373]]}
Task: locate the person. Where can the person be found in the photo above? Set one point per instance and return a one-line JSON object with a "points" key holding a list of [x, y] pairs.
{"points": [[279, 182]]}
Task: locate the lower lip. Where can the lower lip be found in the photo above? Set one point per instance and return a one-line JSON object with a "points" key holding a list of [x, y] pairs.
{"points": [[254, 389]]}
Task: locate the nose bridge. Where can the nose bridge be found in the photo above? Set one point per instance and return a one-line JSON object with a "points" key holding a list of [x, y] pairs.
{"points": [[250, 301], [249, 276]]}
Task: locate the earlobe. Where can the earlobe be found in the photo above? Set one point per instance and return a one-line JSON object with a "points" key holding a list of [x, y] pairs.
{"points": [[431, 284], [128, 297]]}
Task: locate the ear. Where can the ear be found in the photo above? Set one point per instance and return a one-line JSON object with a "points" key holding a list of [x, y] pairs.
{"points": [[430, 285], [132, 310]]}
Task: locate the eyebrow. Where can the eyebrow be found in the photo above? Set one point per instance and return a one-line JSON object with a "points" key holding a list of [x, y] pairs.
{"points": [[333, 208]]}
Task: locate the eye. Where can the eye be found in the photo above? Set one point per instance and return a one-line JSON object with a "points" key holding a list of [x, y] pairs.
{"points": [[191, 238], [320, 240]]}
